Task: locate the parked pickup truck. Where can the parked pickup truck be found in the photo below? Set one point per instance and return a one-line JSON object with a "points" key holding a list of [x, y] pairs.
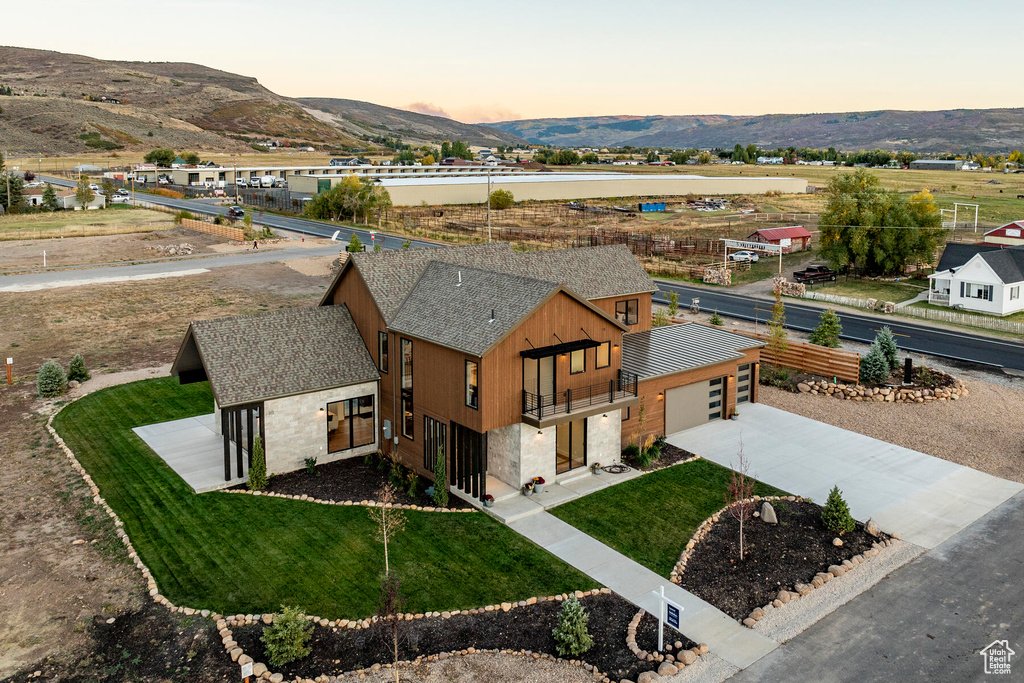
{"points": [[815, 274]]}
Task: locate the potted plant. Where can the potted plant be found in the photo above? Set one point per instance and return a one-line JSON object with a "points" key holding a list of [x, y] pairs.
{"points": [[488, 501], [538, 484], [596, 468], [527, 488]]}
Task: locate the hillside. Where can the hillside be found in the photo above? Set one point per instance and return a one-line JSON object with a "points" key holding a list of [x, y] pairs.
{"points": [[185, 106], [956, 130], [364, 118]]}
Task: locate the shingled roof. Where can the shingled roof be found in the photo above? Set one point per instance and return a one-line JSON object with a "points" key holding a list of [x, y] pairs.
{"points": [[1008, 264], [250, 358], [957, 254], [452, 305], [590, 272]]}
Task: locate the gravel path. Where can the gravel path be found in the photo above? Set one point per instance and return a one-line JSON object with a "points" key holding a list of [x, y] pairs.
{"points": [[487, 667], [979, 431], [789, 621]]}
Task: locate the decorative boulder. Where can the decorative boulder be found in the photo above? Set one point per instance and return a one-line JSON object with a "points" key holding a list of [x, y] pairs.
{"points": [[872, 527], [768, 513]]}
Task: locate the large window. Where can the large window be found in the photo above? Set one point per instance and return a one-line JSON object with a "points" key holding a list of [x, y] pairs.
{"points": [[970, 290], [435, 438], [472, 384], [577, 361], [350, 424], [382, 351], [1015, 292], [604, 355], [407, 421], [627, 311]]}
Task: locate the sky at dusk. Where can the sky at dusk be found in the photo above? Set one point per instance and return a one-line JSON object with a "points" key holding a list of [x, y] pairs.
{"points": [[480, 61]]}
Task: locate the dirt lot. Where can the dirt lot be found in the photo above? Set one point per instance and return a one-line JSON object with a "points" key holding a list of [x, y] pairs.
{"points": [[977, 431], [28, 254], [50, 590]]}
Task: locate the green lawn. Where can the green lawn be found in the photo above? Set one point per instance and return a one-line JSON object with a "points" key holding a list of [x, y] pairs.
{"points": [[245, 554], [768, 267], [650, 519], [869, 289]]}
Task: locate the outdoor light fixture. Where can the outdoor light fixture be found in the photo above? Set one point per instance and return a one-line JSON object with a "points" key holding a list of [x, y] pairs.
{"points": [[540, 432], [661, 395], [321, 412]]}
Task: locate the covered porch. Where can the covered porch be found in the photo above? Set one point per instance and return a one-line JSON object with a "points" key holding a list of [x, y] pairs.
{"points": [[938, 290], [194, 449]]}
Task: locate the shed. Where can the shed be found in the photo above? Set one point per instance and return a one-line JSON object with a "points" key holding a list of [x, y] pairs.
{"points": [[1011, 234], [791, 238]]}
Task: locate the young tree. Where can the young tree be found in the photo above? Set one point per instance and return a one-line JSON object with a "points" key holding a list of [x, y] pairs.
{"points": [[355, 244], [716, 319], [440, 479], [673, 303], [286, 640], [77, 370], [501, 200], [738, 495], [874, 367], [51, 380], [190, 158], [572, 638], [887, 343], [50, 198], [258, 470], [388, 520], [390, 625], [108, 189], [828, 330], [162, 157], [778, 337], [836, 514], [83, 193]]}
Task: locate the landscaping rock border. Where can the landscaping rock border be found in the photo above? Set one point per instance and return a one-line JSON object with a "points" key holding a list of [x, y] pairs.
{"points": [[859, 392], [785, 597], [706, 525], [260, 670], [678, 661], [364, 503]]}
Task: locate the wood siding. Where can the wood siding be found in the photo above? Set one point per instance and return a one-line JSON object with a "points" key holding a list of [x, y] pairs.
{"points": [[501, 371], [643, 309], [654, 420]]}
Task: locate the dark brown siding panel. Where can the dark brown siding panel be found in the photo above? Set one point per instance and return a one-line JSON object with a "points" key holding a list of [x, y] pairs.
{"points": [[643, 312]]}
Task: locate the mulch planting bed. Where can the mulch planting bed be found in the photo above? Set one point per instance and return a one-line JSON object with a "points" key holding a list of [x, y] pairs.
{"points": [[776, 557], [349, 479], [335, 651], [670, 455]]}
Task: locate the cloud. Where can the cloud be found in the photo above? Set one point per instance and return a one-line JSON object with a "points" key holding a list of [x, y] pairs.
{"points": [[478, 114], [427, 108]]}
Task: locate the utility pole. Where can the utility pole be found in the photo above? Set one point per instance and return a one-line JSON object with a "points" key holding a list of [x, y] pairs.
{"points": [[234, 172], [488, 205]]}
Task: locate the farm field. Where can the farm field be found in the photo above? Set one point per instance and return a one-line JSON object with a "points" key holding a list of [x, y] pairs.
{"points": [[82, 223]]}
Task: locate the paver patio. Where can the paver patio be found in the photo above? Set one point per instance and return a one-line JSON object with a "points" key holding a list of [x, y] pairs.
{"points": [[923, 499]]}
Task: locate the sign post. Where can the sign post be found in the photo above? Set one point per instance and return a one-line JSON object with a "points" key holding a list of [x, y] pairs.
{"points": [[10, 365], [246, 671], [668, 613], [757, 246]]}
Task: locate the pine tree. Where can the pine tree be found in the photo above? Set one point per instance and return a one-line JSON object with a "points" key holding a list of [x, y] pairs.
{"points": [[874, 367], [51, 379], [258, 470], [286, 640], [716, 319], [885, 341], [778, 337], [77, 370], [440, 480], [571, 634], [836, 514], [828, 330], [50, 198]]}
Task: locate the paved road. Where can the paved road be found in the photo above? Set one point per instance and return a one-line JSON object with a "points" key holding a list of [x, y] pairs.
{"points": [[299, 225], [910, 336], [927, 621]]}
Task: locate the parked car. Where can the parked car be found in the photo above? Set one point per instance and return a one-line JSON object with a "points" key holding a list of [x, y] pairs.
{"points": [[241, 182], [815, 273], [236, 212], [95, 188], [120, 199], [744, 256], [218, 192], [122, 192]]}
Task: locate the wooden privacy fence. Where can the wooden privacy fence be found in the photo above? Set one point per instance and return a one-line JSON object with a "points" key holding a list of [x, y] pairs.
{"points": [[214, 229], [817, 360]]}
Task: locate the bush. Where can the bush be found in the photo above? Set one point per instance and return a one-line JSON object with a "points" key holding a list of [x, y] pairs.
{"points": [[76, 369], [874, 368], [183, 215], [828, 330], [836, 514], [631, 452], [571, 635], [286, 639], [310, 466], [258, 470], [716, 319], [51, 380], [440, 480], [501, 200], [885, 341]]}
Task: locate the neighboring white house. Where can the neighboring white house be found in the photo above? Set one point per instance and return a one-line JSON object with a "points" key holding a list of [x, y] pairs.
{"points": [[65, 198], [989, 282]]}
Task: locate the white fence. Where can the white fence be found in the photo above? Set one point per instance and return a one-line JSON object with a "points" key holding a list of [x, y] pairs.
{"points": [[956, 317]]}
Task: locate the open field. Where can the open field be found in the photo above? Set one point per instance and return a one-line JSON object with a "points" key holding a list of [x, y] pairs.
{"points": [[650, 519], [82, 223], [233, 553], [871, 289]]}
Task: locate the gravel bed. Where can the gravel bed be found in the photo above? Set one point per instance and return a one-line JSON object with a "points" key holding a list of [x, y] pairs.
{"points": [[708, 668], [486, 667], [977, 431], [785, 623]]}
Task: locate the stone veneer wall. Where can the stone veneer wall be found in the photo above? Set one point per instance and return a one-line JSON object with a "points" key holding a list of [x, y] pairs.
{"points": [[604, 438], [503, 447], [295, 429]]}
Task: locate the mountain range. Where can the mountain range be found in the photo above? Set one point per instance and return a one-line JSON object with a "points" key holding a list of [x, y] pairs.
{"points": [[953, 130], [56, 109]]}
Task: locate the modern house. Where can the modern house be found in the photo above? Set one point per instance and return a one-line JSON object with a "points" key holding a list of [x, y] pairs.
{"points": [[791, 238], [989, 281], [1010, 234], [508, 365]]}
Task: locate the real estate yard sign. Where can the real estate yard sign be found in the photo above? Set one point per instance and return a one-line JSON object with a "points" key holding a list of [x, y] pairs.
{"points": [[668, 613]]}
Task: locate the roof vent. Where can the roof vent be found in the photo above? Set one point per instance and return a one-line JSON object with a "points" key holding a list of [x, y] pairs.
{"points": [[492, 316], [459, 283]]}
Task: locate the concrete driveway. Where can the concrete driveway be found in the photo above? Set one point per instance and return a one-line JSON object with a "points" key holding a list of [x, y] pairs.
{"points": [[923, 499]]}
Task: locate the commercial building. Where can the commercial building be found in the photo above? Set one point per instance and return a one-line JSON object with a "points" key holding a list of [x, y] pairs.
{"points": [[936, 165], [225, 175], [509, 366]]}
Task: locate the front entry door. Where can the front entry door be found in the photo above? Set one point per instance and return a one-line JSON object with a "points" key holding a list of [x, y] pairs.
{"points": [[570, 445], [539, 379]]}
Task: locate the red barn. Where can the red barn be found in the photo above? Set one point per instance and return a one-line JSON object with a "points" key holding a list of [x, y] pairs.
{"points": [[792, 238], [1011, 234]]}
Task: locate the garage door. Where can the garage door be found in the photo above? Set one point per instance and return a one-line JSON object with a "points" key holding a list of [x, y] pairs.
{"points": [[744, 380], [692, 405]]}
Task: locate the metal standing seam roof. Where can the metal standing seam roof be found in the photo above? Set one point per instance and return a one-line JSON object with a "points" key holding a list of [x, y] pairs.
{"points": [[251, 358], [457, 315], [676, 348]]}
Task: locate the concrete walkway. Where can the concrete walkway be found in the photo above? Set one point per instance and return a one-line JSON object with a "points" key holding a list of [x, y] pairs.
{"points": [[194, 450], [513, 506], [699, 621], [923, 499]]}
